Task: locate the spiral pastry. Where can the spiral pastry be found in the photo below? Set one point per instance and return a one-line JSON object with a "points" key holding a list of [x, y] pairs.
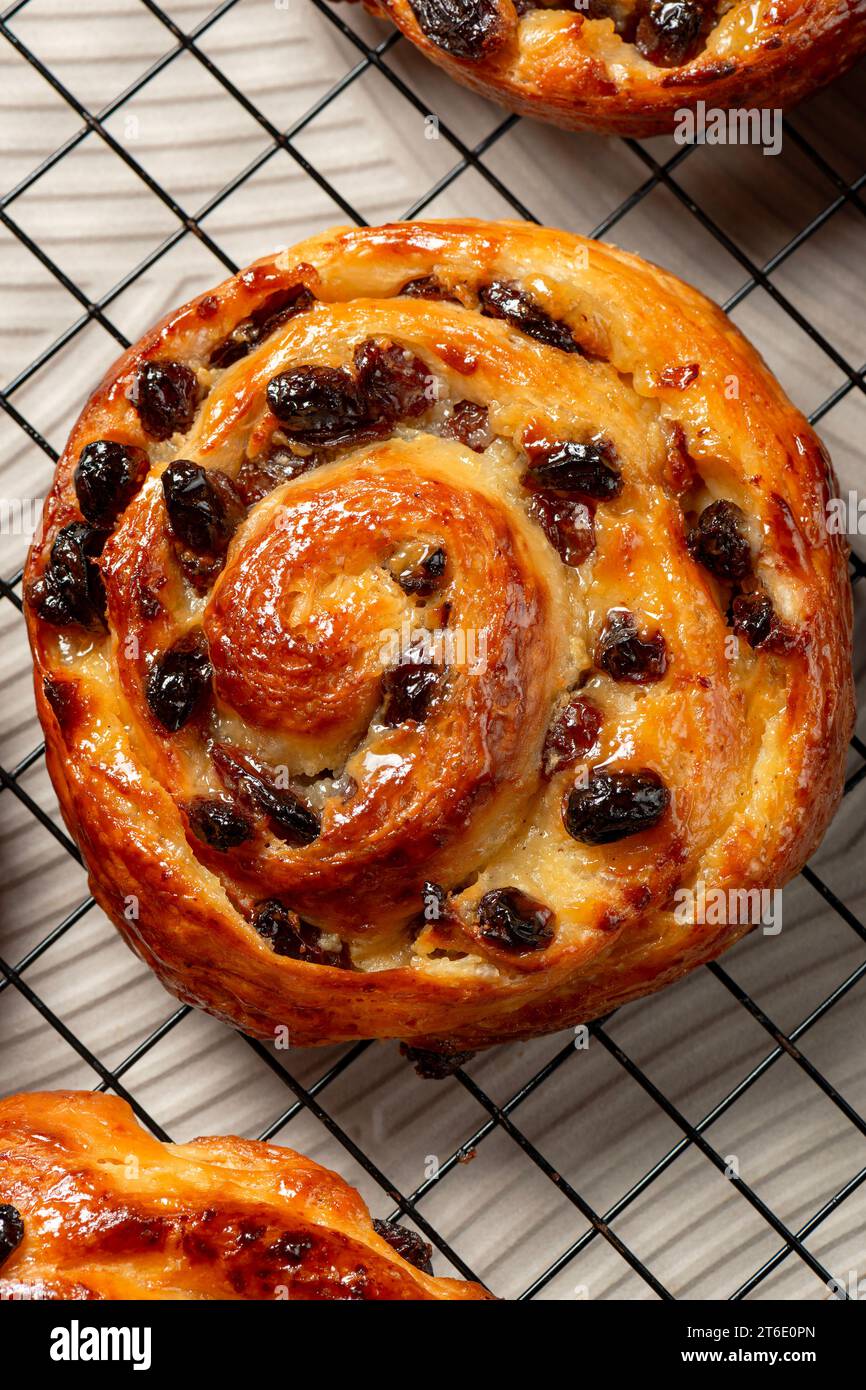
{"points": [[416, 613], [629, 66], [93, 1207]]}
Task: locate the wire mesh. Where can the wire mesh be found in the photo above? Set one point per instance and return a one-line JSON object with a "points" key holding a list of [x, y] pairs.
{"points": [[484, 1102]]}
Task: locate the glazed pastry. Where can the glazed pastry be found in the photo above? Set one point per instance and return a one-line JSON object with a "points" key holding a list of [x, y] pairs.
{"points": [[417, 614], [94, 1207], [629, 66]]}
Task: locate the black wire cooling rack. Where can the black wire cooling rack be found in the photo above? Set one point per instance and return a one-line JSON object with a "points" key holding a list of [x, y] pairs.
{"points": [[501, 1116]]}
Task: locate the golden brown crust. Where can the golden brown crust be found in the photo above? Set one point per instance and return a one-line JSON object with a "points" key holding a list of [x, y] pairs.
{"points": [[748, 739], [109, 1212], [578, 66]]}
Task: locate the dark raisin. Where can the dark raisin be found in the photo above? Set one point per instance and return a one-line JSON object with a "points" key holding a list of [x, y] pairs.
{"points": [[165, 394], [571, 735], [395, 384], [276, 310], [203, 506], [290, 936], [407, 1243], [567, 467], [625, 655], [669, 33], [408, 690], [218, 823], [292, 818], [504, 300], [257, 477], [435, 1066], [469, 423], [719, 541], [12, 1231], [424, 577], [427, 287], [435, 900], [514, 921], [568, 525], [70, 590], [320, 405], [179, 680], [753, 617], [464, 28], [614, 806], [288, 1250], [107, 477]]}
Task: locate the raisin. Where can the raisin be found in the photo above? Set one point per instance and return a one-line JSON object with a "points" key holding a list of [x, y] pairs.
{"points": [[614, 806], [107, 477], [567, 467], [514, 921], [257, 477], [276, 310], [319, 405], [292, 818], [435, 1066], [425, 577], [218, 823], [753, 617], [408, 690], [571, 735], [290, 936], [427, 287], [464, 28], [165, 394], [435, 899], [203, 506], [408, 1244], [505, 300], [719, 541], [669, 33], [395, 383], [625, 655], [178, 681], [469, 423], [70, 590], [288, 1249], [567, 524], [11, 1230]]}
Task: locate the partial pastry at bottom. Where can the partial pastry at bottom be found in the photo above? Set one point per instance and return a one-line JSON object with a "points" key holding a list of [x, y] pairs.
{"points": [[93, 1207]]}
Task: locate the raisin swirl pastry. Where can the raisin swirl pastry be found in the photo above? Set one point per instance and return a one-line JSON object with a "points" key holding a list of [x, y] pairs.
{"points": [[93, 1207], [416, 613], [628, 66]]}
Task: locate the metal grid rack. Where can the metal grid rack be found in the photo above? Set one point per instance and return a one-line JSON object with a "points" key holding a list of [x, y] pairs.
{"points": [[319, 1086]]}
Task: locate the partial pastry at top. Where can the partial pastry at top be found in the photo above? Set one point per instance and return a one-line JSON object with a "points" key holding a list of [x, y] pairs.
{"points": [[629, 66], [417, 614], [93, 1207]]}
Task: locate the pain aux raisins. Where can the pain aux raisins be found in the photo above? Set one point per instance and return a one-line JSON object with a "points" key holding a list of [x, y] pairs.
{"points": [[471, 29], [408, 1244], [204, 508], [291, 818], [332, 406], [12, 1231], [568, 468], [277, 309], [70, 591], [571, 735], [514, 921], [503, 299], [614, 806], [218, 823], [627, 656], [178, 681], [166, 396], [289, 935], [408, 690], [107, 476], [719, 541]]}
